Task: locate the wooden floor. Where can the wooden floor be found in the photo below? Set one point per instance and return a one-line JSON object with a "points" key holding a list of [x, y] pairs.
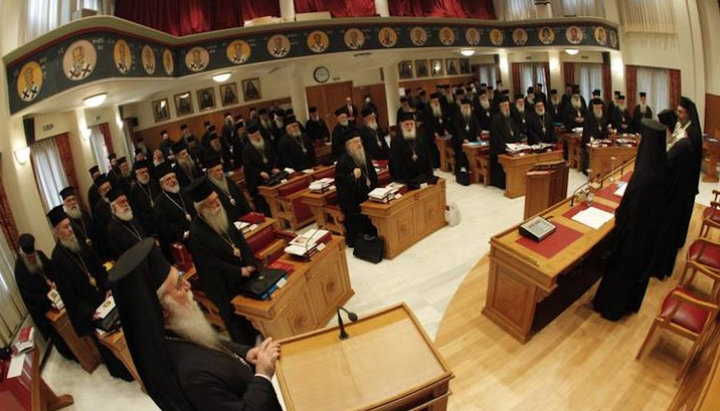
{"points": [[578, 362]]}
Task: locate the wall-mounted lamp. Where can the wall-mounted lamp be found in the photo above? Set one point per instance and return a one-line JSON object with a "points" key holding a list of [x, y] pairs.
{"points": [[86, 133], [22, 155], [220, 78], [572, 52], [96, 100]]}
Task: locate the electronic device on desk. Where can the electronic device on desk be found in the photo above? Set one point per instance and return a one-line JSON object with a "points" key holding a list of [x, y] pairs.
{"points": [[277, 178], [55, 300], [107, 316], [537, 229], [262, 284]]}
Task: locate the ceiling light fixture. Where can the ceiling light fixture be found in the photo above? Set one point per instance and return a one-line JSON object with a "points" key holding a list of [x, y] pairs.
{"points": [[219, 78], [572, 52], [96, 100], [467, 53]]}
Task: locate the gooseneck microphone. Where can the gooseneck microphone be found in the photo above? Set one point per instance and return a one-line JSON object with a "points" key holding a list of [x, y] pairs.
{"points": [[351, 315]]}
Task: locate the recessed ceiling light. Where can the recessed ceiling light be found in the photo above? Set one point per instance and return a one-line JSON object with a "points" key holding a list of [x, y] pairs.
{"points": [[96, 100], [219, 78], [572, 52], [467, 53]]}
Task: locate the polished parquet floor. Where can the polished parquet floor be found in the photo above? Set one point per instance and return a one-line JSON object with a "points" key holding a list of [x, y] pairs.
{"points": [[578, 362]]}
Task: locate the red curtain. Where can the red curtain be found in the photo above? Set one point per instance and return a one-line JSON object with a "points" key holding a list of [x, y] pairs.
{"points": [[7, 222], [474, 9], [606, 82], [107, 137], [675, 88], [63, 144], [183, 17], [516, 76], [631, 86], [337, 8], [569, 73]]}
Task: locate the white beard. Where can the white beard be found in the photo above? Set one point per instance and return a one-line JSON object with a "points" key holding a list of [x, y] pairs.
{"points": [[32, 266], [598, 116], [157, 162], [144, 181], [71, 243], [372, 126], [540, 113], [520, 109], [221, 182], [358, 156], [485, 104], [555, 101], [436, 110], [450, 98], [73, 212], [409, 135], [189, 322], [279, 123], [126, 215], [297, 134], [576, 104], [643, 108], [466, 113], [259, 145], [622, 107], [217, 221], [172, 190], [344, 123]]}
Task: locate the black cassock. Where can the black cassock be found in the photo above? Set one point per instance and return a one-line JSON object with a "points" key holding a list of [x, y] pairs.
{"points": [[592, 129], [638, 116], [102, 215], [93, 197], [232, 200], [520, 119], [256, 163], [216, 380], [571, 114], [124, 234], [352, 192], [621, 120], [626, 276], [142, 199], [441, 126], [540, 129], [555, 111], [483, 115], [82, 284], [374, 142], [219, 271], [85, 228], [171, 211], [317, 130], [409, 159], [503, 130], [294, 155], [183, 178], [684, 162], [34, 288], [338, 145], [463, 129]]}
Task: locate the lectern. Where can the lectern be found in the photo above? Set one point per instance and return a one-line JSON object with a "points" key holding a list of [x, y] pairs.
{"points": [[546, 186], [387, 363]]}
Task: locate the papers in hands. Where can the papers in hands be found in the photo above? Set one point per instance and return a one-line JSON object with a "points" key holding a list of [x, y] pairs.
{"points": [[593, 217]]}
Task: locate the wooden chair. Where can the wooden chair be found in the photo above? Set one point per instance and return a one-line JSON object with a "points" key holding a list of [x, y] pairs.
{"points": [[291, 210], [711, 215], [685, 314], [703, 256]]}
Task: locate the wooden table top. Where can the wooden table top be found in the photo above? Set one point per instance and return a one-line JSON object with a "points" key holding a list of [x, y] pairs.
{"points": [[387, 356], [374, 208], [544, 271], [531, 158]]}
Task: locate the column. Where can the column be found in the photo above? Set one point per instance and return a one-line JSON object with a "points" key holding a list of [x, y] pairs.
{"points": [[505, 71], [617, 71], [392, 95], [556, 79], [298, 97], [382, 8], [287, 10]]}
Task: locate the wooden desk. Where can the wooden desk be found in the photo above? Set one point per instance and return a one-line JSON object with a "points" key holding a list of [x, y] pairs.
{"points": [[387, 363], [116, 343], [711, 150], [272, 193], [517, 167], [238, 176], [29, 391], [574, 152], [308, 300], [405, 221], [545, 188], [447, 154], [479, 162], [604, 159], [83, 348], [527, 290]]}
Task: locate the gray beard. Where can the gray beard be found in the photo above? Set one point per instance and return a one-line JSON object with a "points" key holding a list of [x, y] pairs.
{"points": [[32, 266], [144, 181], [485, 104], [296, 135], [409, 135], [279, 124], [643, 108], [187, 164], [218, 222], [221, 183], [172, 190], [437, 111], [73, 212], [190, 323], [540, 113], [125, 215], [71, 243], [157, 162], [372, 126], [265, 124], [125, 174], [520, 109], [597, 116], [576, 104], [259, 145], [358, 157]]}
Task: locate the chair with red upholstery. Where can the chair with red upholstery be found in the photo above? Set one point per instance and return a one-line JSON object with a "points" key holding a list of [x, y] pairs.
{"points": [[384, 177], [327, 173], [711, 215], [292, 210], [703, 256], [268, 244]]}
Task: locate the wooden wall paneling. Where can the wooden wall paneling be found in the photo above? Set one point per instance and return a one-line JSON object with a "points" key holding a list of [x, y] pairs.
{"points": [[377, 94], [429, 84], [328, 98]]}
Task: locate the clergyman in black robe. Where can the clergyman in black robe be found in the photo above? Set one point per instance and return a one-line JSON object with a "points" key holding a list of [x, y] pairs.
{"points": [[316, 128], [83, 224], [684, 156], [503, 131], [633, 238], [466, 129], [142, 196], [338, 133], [230, 195], [409, 157], [173, 210], [642, 110], [260, 163], [620, 118], [124, 229], [92, 195], [595, 129], [186, 169], [373, 137], [540, 127], [295, 148]]}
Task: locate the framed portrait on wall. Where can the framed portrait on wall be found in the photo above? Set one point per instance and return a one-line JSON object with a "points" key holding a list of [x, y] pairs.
{"points": [[206, 98], [422, 68], [465, 66], [405, 69], [452, 68], [183, 104], [436, 67], [251, 89], [161, 110], [228, 94]]}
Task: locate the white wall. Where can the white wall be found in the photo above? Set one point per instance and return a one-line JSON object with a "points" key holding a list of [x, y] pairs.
{"points": [[710, 23]]}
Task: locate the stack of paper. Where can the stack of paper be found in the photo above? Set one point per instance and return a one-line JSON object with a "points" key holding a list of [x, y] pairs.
{"points": [[512, 148], [621, 189], [306, 244], [322, 185], [593, 217], [382, 194]]}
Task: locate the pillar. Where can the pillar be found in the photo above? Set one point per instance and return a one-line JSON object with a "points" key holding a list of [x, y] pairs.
{"points": [[382, 8], [287, 10], [392, 95], [556, 78], [298, 97], [617, 71], [505, 71]]}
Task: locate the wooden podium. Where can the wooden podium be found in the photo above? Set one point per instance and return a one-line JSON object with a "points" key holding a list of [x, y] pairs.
{"points": [[546, 186], [387, 363]]}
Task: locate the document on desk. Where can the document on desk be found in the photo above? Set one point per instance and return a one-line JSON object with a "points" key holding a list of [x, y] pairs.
{"points": [[16, 366], [621, 189], [593, 217]]}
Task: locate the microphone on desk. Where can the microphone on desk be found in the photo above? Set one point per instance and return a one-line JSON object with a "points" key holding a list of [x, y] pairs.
{"points": [[351, 315], [572, 201]]}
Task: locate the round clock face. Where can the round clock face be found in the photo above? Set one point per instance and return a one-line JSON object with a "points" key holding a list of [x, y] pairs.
{"points": [[321, 74]]}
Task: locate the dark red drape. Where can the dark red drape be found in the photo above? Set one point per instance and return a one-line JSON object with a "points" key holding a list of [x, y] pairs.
{"points": [[337, 8], [569, 73], [107, 137], [675, 87], [63, 144], [7, 222], [182, 17], [516, 78], [474, 9], [606, 82], [631, 86]]}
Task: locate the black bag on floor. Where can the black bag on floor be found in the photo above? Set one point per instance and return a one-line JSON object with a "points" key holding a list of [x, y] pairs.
{"points": [[369, 248], [463, 178]]}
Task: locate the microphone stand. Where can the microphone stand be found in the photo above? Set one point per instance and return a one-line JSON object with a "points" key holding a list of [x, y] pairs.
{"points": [[351, 315]]}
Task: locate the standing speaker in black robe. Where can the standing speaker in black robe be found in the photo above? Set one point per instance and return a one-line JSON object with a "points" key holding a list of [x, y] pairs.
{"points": [[540, 127], [342, 126], [230, 195], [35, 278], [595, 129], [503, 130], [295, 148], [83, 225], [316, 128], [437, 124], [575, 112], [636, 230], [124, 230], [684, 156], [373, 137], [620, 118], [518, 112], [92, 195], [260, 163], [355, 177], [186, 169], [82, 284], [222, 258], [482, 111], [641, 111], [142, 196], [409, 157], [173, 209], [466, 129]]}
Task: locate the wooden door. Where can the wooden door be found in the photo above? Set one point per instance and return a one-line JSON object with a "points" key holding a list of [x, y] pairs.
{"points": [[377, 94], [328, 98]]}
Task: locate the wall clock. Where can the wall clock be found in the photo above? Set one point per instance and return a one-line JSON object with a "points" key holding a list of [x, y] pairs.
{"points": [[321, 74]]}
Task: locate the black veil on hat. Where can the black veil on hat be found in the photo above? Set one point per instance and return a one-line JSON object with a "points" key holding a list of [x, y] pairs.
{"points": [[135, 278]]}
